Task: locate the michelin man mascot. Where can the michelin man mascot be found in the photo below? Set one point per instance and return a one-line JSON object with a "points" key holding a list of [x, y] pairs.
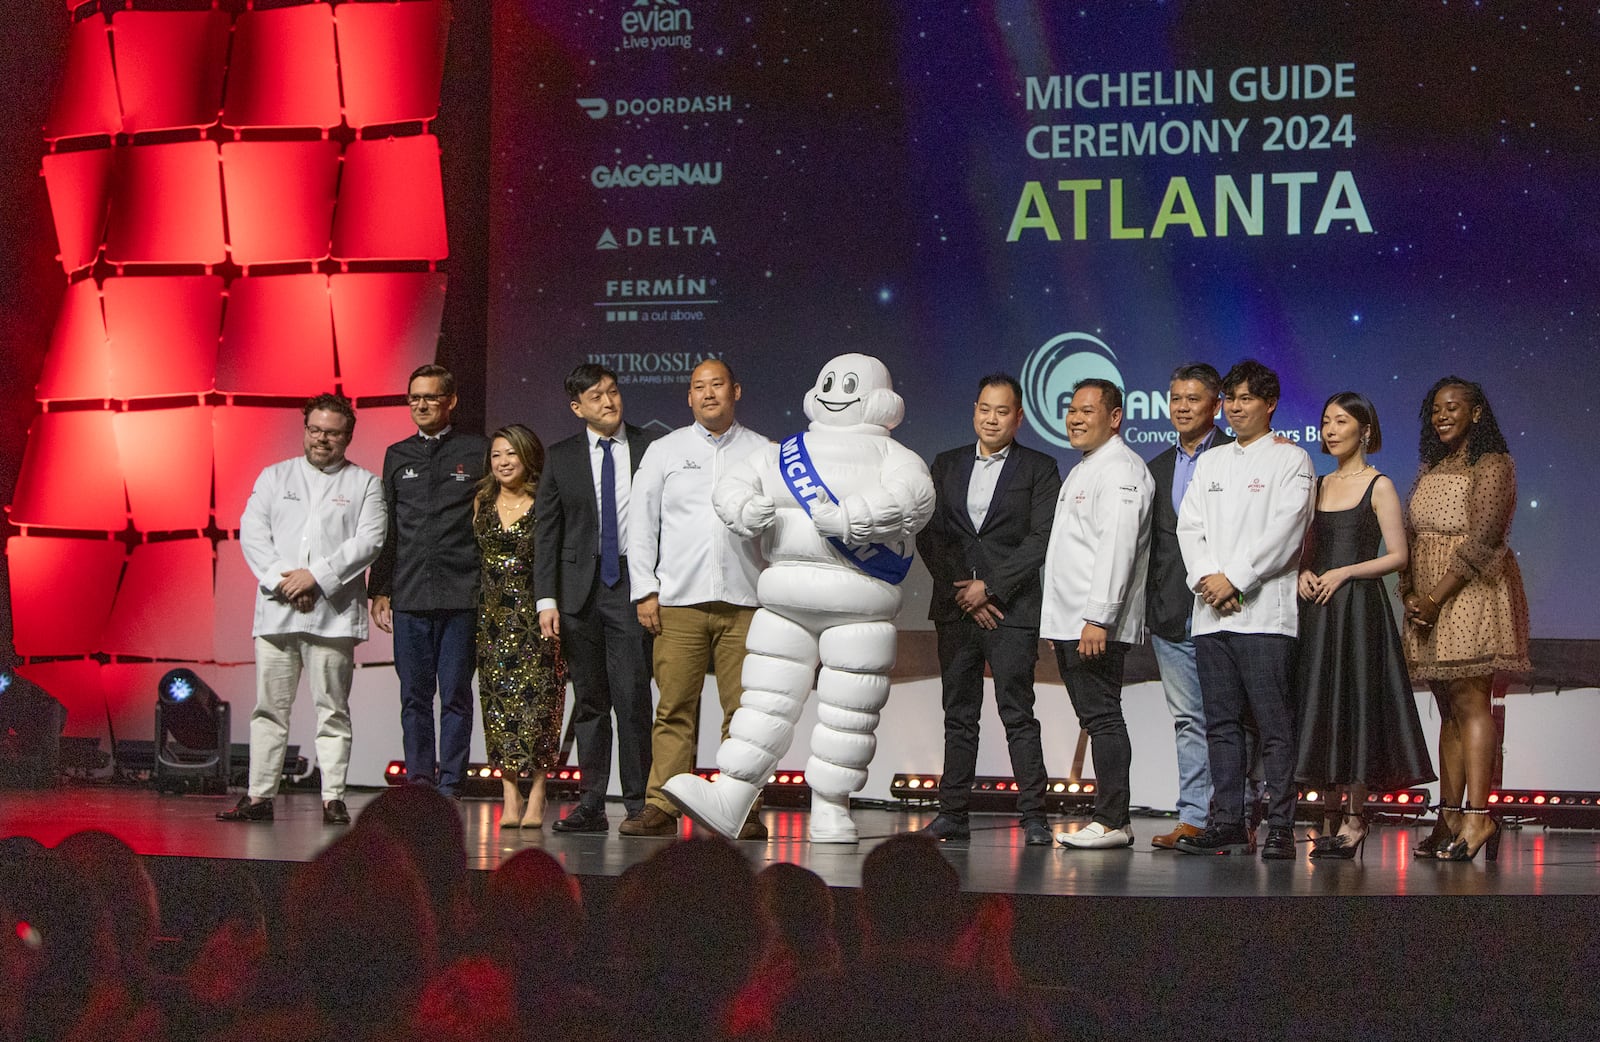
{"points": [[836, 508]]}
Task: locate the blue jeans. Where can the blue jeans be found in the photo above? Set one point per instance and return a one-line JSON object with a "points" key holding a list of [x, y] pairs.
{"points": [[434, 651], [1180, 679]]}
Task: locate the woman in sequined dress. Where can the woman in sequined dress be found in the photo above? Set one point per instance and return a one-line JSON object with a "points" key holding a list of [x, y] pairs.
{"points": [[522, 680]]}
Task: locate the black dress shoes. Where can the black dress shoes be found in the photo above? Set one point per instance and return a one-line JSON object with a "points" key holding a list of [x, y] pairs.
{"points": [[1217, 839], [583, 819], [245, 810], [1037, 833], [1279, 845], [947, 829], [334, 812]]}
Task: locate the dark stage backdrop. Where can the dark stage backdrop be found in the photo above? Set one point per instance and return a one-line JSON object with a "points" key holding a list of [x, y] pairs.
{"points": [[1364, 196]]}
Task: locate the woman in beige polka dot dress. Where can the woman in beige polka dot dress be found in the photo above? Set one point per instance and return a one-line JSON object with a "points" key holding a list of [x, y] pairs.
{"points": [[1466, 616]]}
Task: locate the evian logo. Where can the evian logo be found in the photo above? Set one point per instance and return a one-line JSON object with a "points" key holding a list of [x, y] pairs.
{"points": [[654, 24], [1050, 372], [657, 236]]}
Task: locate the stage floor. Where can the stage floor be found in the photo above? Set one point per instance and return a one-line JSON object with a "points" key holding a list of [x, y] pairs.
{"points": [[1533, 861]]}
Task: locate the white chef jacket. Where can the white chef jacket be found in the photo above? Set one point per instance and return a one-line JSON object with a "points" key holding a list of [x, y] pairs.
{"points": [[677, 547], [332, 523], [1245, 515], [1099, 552]]}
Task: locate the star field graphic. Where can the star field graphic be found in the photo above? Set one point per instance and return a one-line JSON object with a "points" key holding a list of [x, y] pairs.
{"points": [[872, 167]]}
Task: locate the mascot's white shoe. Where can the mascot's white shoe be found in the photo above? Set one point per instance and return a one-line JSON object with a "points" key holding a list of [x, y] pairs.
{"points": [[721, 806], [830, 820]]}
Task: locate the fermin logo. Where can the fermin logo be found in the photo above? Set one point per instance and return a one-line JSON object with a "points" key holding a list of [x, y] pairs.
{"points": [[656, 175], [658, 237], [1050, 372], [681, 286], [677, 105]]}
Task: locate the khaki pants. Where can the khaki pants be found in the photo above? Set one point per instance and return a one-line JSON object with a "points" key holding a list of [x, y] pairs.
{"points": [[329, 664], [691, 638]]}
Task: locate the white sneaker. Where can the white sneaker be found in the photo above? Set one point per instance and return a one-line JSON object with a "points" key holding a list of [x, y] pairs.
{"points": [[1095, 836], [830, 820], [720, 806]]}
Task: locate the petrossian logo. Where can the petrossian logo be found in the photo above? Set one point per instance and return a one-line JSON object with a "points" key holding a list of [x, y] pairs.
{"points": [[679, 105], [657, 236], [1050, 372], [656, 175]]}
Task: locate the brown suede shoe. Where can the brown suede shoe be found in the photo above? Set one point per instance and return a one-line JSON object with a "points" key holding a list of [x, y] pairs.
{"points": [[652, 821], [1170, 840]]}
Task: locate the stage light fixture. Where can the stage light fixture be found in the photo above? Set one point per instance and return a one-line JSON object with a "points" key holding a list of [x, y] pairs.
{"points": [[1552, 808], [1408, 803], [30, 733], [482, 781], [193, 730], [997, 794]]}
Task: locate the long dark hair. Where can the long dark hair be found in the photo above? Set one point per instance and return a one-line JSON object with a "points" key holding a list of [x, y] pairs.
{"points": [[1483, 438], [529, 449]]}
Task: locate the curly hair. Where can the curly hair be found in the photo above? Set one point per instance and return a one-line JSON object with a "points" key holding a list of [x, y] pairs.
{"points": [[1483, 437]]}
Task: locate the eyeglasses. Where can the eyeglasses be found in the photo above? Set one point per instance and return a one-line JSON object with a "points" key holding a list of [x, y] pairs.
{"points": [[425, 399], [323, 432]]}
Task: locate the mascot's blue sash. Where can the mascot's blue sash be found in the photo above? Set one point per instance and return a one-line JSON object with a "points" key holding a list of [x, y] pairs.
{"points": [[878, 560]]}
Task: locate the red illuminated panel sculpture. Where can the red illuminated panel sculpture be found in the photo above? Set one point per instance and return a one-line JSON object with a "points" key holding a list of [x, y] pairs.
{"points": [[169, 67], [282, 72], [166, 205], [61, 592], [235, 612], [391, 59], [166, 463], [76, 685], [70, 475], [164, 605], [247, 439], [163, 332], [391, 201], [377, 430], [277, 337], [86, 99], [280, 199], [79, 185], [78, 364], [385, 324]]}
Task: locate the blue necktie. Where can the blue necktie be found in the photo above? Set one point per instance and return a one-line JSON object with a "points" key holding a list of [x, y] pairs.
{"points": [[610, 564]]}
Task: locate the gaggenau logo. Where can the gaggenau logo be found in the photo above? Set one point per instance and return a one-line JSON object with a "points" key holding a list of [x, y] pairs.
{"points": [[656, 175]]}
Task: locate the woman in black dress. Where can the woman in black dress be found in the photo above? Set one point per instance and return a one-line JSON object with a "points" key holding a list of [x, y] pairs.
{"points": [[1358, 719], [522, 680]]}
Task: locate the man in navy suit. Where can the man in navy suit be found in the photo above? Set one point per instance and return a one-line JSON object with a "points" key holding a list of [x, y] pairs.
{"points": [[580, 580], [984, 547]]}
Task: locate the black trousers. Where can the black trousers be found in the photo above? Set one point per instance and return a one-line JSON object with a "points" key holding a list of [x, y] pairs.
{"points": [[1011, 652], [608, 658], [1095, 687], [1244, 675]]}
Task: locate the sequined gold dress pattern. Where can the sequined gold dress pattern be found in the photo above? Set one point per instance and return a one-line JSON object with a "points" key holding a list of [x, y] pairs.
{"points": [[522, 679], [1458, 520]]}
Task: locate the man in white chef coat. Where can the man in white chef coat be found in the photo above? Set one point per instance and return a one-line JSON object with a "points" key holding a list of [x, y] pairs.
{"points": [[310, 529], [1240, 528]]}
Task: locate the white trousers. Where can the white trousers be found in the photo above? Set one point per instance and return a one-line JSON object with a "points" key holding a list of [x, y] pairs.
{"points": [[329, 663]]}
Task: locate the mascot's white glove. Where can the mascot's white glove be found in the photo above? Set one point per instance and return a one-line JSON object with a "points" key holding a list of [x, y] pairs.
{"points": [[756, 515], [830, 518]]}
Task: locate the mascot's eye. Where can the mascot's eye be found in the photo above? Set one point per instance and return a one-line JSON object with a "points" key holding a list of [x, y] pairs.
{"points": [[827, 383], [848, 384]]}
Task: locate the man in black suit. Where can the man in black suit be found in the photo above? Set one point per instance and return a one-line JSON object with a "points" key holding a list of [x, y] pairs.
{"points": [[580, 580], [1192, 401], [984, 547]]}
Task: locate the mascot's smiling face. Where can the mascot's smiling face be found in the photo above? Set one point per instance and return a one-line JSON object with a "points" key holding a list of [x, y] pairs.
{"points": [[852, 390]]}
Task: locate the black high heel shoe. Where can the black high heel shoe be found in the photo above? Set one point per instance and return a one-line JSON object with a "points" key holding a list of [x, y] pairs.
{"points": [[1459, 850], [1441, 835], [1341, 847]]}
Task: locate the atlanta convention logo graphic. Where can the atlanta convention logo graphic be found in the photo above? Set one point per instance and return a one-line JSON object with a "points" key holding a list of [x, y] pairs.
{"points": [[1050, 372]]}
